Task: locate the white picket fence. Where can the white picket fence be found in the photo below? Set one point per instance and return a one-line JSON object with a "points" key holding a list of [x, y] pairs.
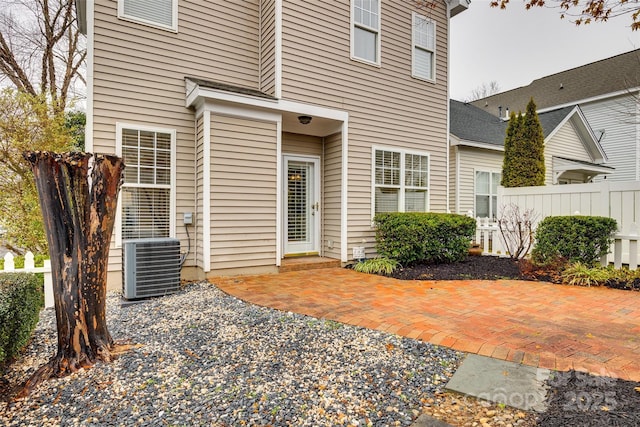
{"points": [[624, 249], [29, 267]]}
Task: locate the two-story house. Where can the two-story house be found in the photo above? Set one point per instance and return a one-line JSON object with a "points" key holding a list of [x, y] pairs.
{"points": [[608, 93], [276, 128]]}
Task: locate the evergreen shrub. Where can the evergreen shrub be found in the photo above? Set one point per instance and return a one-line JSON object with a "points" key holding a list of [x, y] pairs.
{"points": [[21, 299], [575, 238], [423, 237]]}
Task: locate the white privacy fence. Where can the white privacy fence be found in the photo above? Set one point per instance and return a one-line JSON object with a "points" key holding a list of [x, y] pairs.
{"points": [[29, 267], [617, 200]]}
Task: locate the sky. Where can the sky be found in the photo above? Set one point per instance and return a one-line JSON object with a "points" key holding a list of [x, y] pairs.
{"points": [[516, 46]]}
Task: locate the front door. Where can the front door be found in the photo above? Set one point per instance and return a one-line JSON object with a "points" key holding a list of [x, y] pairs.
{"points": [[302, 205]]}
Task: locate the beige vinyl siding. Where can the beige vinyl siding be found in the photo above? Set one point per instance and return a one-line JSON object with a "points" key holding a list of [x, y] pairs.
{"points": [[243, 193], [304, 145], [199, 223], [387, 107], [471, 160], [268, 47], [139, 76], [331, 196], [564, 143]]}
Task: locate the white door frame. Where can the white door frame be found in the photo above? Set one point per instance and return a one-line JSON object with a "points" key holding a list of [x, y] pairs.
{"points": [[312, 246]]}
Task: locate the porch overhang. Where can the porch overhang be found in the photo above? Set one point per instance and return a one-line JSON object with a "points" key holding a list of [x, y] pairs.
{"points": [[209, 98], [563, 166]]}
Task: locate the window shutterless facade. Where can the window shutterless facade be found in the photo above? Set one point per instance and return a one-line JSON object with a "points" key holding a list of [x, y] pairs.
{"points": [[156, 13], [486, 194], [400, 181], [424, 47], [365, 30], [147, 197]]}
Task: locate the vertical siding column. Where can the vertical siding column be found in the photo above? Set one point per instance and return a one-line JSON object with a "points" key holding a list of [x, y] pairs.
{"points": [[206, 193], [344, 236]]}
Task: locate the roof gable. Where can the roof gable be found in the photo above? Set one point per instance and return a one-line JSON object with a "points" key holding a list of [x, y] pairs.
{"points": [[473, 126]]}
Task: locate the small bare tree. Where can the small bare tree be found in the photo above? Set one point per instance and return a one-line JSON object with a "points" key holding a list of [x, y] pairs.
{"points": [[517, 229]]}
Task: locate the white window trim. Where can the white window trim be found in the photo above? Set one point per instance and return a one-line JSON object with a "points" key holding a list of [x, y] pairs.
{"points": [[378, 31], [172, 192], [413, 48], [402, 187], [174, 17], [490, 172]]}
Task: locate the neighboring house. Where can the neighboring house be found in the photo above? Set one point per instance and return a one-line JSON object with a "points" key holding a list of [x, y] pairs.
{"points": [[281, 126], [607, 91], [572, 154]]}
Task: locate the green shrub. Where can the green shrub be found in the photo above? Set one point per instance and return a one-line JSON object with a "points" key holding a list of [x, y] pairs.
{"points": [[379, 265], [21, 299], [413, 237], [575, 238]]}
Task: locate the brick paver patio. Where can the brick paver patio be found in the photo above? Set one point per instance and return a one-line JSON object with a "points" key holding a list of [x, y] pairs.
{"points": [[538, 324]]}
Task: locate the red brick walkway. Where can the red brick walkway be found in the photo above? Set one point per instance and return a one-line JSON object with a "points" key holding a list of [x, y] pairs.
{"points": [[538, 324]]}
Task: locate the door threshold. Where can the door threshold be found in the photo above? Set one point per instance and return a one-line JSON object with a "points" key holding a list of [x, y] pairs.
{"points": [[301, 254]]}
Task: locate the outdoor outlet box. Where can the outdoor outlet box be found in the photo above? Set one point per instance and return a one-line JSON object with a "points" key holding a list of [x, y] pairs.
{"points": [[188, 218]]}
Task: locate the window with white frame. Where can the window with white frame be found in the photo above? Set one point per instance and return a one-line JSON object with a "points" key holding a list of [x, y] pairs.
{"points": [[146, 195], [365, 31], [157, 13], [424, 47], [401, 181], [486, 193]]}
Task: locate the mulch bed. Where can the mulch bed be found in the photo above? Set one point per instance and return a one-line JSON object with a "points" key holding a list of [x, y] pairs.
{"points": [[573, 398]]}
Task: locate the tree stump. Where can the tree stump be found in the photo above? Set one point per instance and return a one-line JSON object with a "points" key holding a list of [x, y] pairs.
{"points": [[78, 195]]}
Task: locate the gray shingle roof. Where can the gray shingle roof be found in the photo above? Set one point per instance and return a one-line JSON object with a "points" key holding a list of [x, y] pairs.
{"points": [[229, 88], [615, 74], [470, 123]]}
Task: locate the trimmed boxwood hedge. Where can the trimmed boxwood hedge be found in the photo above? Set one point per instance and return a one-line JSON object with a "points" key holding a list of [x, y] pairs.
{"points": [[423, 237], [21, 299], [574, 238]]}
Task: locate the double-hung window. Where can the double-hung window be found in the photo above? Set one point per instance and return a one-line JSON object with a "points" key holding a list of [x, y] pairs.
{"points": [[156, 13], [401, 181], [487, 194], [424, 47], [365, 30], [147, 196]]}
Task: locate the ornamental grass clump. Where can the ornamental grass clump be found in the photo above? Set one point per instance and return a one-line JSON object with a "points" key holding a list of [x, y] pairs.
{"points": [[381, 265]]}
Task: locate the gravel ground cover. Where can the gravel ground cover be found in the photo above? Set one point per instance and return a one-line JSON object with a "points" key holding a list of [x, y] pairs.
{"points": [[201, 357]]}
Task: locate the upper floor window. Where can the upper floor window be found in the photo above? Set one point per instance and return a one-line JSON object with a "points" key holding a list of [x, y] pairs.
{"points": [[365, 30], [487, 194], [424, 47], [401, 181], [156, 13], [147, 195]]}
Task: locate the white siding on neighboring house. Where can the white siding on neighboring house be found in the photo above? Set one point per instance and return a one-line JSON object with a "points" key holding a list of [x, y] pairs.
{"points": [[470, 161], [619, 118], [243, 193], [563, 143]]}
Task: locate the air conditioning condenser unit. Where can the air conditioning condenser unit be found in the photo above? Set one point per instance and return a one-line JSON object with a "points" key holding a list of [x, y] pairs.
{"points": [[150, 267]]}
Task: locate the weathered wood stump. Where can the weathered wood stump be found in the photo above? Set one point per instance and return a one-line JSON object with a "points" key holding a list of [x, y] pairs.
{"points": [[78, 195]]}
